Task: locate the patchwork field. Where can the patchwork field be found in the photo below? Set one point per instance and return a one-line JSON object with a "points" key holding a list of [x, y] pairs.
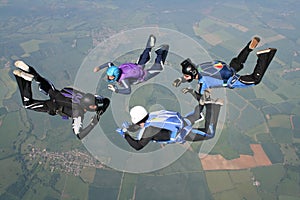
{"points": [[217, 162]]}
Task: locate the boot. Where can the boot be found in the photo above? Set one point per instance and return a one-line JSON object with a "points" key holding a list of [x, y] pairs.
{"points": [[151, 41], [24, 75], [22, 65], [254, 42]]}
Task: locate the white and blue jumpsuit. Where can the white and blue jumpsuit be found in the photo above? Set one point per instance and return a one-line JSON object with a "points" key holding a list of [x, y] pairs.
{"points": [[169, 127]]}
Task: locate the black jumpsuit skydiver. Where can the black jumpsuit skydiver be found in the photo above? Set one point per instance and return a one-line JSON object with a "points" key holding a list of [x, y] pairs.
{"points": [[65, 102]]}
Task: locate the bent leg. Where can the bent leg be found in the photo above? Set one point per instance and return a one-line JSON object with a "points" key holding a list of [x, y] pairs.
{"points": [[158, 65], [46, 106], [44, 84], [196, 114], [144, 57], [154, 70], [211, 120], [263, 61], [25, 90], [237, 63]]}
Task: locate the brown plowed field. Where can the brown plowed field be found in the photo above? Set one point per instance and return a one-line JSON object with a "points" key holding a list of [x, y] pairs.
{"points": [[218, 162]]}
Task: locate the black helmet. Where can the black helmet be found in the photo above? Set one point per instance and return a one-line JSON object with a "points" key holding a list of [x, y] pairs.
{"points": [[87, 100], [189, 68]]}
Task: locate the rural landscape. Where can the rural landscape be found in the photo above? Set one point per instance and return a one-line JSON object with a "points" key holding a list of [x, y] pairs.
{"points": [[257, 148]]}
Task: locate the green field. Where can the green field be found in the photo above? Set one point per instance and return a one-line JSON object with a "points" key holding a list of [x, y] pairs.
{"points": [[12, 170], [219, 181], [106, 184], [128, 187], [282, 121], [8, 85], [269, 177], [31, 46], [273, 152]]}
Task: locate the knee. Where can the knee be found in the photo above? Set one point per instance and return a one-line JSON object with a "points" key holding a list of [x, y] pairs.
{"points": [[236, 65]]}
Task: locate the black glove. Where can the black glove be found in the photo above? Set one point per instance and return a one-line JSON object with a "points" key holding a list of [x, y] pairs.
{"points": [[187, 90], [95, 119], [177, 82]]}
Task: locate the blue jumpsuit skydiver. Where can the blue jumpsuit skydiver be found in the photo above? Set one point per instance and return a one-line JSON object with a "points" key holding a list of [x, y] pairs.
{"points": [[167, 127], [216, 74]]}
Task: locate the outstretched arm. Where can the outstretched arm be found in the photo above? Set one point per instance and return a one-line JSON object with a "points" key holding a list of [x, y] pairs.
{"points": [[136, 144], [105, 65], [125, 90], [81, 132]]}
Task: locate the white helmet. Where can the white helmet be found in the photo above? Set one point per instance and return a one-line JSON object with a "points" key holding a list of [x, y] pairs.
{"points": [[138, 113]]}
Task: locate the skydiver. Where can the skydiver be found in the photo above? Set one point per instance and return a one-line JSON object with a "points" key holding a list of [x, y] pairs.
{"points": [[128, 74], [68, 102], [169, 127], [217, 73]]}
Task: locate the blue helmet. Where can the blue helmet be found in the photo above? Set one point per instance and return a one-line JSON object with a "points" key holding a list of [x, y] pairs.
{"points": [[113, 71]]}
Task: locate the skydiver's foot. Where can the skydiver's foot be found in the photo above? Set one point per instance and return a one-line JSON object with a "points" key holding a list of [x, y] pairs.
{"points": [[247, 79], [219, 102], [200, 119], [151, 41], [22, 65], [162, 52], [254, 42], [24, 75]]}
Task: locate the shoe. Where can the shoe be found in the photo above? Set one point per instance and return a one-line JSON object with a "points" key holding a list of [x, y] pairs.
{"points": [[151, 41], [24, 75], [219, 102], [254, 42], [20, 64], [247, 79]]}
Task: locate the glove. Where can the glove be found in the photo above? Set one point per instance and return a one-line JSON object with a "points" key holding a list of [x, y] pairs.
{"points": [[112, 87], [95, 120], [96, 69], [177, 82], [121, 132], [99, 113], [125, 125], [187, 90]]}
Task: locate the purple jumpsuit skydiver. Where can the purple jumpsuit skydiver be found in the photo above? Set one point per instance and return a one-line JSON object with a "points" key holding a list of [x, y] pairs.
{"points": [[128, 74]]}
